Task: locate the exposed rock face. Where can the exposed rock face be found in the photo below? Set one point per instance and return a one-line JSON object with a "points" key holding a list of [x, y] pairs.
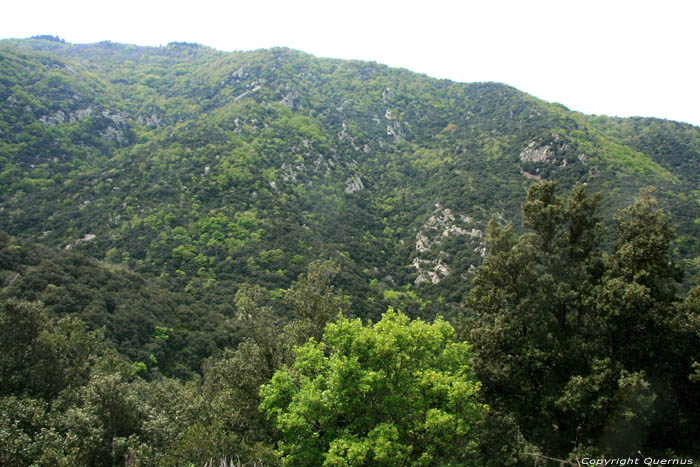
{"points": [[555, 152], [86, 238], [118, 118], [290, 172], [422, 242], [442, 224], [387, 95], [289, 99], [114, 133], [239, 74], [62, 117], [344, 136], [153, 121], [393, 127], [254, 86], [527, 174], [430, 270], [532, 153], [353, 184], [117, 122]]}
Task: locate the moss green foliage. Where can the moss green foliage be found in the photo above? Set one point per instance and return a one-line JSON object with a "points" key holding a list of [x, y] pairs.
{"points": [[392, 393], [69, 399], [141, 319], [561, 334]]}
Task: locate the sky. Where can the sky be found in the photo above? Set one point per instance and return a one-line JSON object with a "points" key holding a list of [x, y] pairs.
{"points": [[613, 57]]}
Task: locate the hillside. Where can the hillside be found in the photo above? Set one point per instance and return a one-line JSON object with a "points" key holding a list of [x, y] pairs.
{"points": [[208, 256], [210, 169], [167, 331]]}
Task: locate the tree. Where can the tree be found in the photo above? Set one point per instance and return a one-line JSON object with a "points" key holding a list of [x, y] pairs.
{"points": [[398, 392], [527, 313], [637, 295], [589, 352], [314, 301], [40, 357], [231, 382], [648, 347]]}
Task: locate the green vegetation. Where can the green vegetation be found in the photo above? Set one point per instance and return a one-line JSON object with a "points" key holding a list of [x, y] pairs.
{"points": [[191, 165], [179, 220], [140, 318], [392, 393], [560, 367], [599, 345]]}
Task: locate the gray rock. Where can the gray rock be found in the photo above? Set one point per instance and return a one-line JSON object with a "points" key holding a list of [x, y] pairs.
{"points": [[353, 184]]}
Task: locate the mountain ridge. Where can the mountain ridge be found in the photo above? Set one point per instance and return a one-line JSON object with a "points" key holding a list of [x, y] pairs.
{"points": [[127, 136]]}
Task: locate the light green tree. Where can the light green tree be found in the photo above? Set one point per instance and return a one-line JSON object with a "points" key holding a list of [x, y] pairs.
{"points": [[398, 392]]}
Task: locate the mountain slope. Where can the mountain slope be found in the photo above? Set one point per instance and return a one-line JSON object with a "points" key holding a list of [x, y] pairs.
{"points": [[211, 169], [141, 319]]}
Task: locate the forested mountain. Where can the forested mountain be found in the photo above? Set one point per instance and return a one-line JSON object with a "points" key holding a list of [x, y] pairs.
{"points": [[200, 194], [211, 169]]}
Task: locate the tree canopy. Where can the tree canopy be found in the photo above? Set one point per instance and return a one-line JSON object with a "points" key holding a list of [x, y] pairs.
{"points": [[586, 349], [397, 392]]}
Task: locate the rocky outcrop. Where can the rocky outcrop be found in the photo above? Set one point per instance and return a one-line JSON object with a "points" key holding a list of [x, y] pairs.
{"points": [[552, 154], [353, 184], [393, 127], [527, 174], [430, 271], [533, 153], [117, 122], [62, 117], [154, 120], [440, 225], [344, 136], [87, 238], [253, 86], [290, 98]]}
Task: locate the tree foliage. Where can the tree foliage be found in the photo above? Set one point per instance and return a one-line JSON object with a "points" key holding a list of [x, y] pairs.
{"points": [[581, 346], [397, 392], [168, 207]]}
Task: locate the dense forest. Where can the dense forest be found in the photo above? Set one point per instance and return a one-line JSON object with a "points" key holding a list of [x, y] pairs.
{"points": [[265, 258]]}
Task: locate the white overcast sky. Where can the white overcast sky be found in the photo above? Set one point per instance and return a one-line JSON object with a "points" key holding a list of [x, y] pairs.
{"points": [[612, 57]]}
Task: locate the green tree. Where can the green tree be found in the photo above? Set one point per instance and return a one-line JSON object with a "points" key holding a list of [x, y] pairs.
{"points": [[314, 301], [648, 350], [398, 392], [527, 312], [41, 357], [638, 293], [230, 423], [589, 352]]}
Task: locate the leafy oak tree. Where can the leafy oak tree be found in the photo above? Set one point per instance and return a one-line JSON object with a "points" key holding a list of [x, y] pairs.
{"points": [[394, 393]]}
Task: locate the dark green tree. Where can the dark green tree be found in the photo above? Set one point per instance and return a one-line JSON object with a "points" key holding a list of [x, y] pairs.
{"points": [[527, 310], [40, 357], [314, 301], [648, 350], [231, 423], [584, 349]]}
